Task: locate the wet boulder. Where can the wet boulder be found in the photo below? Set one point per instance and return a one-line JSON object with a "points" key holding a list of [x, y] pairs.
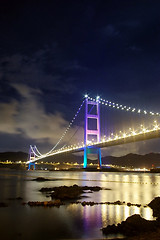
{"points": [[41, 179], [56, 203], [2, 204], [84, 203], [155, 206], [129, 204], [71, 192], [118, 203], [134, 225], [46, 189], [94, 188], [67, 193]]}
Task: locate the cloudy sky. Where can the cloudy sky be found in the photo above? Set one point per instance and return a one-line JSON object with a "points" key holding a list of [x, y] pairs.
{"points": [[53, 52]]}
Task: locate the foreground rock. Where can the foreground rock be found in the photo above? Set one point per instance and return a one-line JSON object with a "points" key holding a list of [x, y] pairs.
{"points": [[155, 205], [69, 193], [41, 179], [56, 203], [146, 236], [66, 193], [85, 203], [2, 204], [134, 225]]}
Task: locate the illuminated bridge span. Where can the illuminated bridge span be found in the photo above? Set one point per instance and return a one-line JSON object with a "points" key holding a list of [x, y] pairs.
{"points": [[93, 140]]}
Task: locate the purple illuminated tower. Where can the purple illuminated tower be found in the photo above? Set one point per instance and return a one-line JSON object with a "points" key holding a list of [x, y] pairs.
{"points": [[88, 132], [32, 157]]}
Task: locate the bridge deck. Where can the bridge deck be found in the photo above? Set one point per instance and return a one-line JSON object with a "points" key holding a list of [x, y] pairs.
{"points": [[127, 139], [112, 142]]}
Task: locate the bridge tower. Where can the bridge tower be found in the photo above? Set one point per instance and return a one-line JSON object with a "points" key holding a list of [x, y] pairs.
{"points": [[32, 157], [88, 132]]}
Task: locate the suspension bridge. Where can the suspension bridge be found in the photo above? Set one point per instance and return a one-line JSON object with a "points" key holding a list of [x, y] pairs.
{"points": [[93, 139]]}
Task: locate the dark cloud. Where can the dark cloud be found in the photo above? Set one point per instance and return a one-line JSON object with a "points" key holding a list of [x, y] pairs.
{"points": [[42, 70], [29, 119]]}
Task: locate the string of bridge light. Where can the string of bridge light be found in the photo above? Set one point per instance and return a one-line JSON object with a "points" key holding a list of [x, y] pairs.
{"points": [[38, 151], [132, 132], [121, 107], [63, 135], [34, 152], [110, 138]]}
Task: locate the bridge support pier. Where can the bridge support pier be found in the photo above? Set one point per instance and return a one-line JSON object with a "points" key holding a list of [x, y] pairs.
{"points": [[92, 130], [99, 158], [85, 158], [32, 157], [90, 150], [30, 166]]}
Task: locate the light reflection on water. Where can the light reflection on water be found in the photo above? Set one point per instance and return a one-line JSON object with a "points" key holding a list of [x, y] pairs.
{"points": [[77, 221]]}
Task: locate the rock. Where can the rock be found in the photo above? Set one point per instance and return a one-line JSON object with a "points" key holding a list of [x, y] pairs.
{"points": [[129, 204], [110, 229], [70, 192], [92, 203], [2, 204], [155, 206], [66, 193], [94, 189], [41, 179], [134, 225], [44, 189], [56, 203], [118, 203], [138, 205], [84, 203]]}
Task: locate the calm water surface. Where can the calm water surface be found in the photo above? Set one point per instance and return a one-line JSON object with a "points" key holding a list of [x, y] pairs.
{"points": [[71, 221]]}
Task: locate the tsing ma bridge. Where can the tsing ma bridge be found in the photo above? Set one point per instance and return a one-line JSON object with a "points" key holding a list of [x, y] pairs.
{"points": [[93, 139]]}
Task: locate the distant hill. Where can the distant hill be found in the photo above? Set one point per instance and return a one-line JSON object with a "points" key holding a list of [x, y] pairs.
{"points": [[134, 160], [13, 156], [129, 160]]}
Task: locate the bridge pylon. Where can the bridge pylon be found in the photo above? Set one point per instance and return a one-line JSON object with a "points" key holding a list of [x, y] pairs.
{"points": [[32, 157], [92, 129]]}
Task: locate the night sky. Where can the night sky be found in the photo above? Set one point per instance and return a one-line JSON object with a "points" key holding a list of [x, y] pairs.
{"points": [[54, 52]]}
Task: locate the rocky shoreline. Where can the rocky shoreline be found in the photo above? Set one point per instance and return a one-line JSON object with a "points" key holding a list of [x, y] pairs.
{"points": [[133, 228], [69, 192], [136, 227]]}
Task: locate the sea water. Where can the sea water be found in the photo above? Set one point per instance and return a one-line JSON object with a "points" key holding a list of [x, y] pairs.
{"points": [[71, 221]]}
